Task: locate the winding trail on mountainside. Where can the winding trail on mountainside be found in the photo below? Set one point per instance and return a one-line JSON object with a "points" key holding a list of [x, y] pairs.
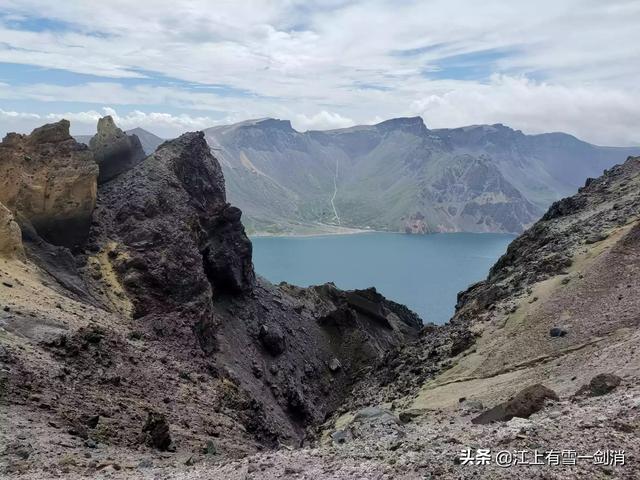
{"points": [[335, 192]]}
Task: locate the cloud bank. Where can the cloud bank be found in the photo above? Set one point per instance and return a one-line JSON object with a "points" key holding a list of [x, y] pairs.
{"points": [[174, 66]]}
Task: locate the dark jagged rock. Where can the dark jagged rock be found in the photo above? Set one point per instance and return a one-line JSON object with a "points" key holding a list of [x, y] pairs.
{"points": [[523, 405], [179, 241], [544, 250], [563, 207], [180, 254], [346, 306], [49, 179], [114, 150]]}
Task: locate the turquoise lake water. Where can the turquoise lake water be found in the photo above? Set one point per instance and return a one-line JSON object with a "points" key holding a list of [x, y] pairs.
{"points": [[424, 272]]}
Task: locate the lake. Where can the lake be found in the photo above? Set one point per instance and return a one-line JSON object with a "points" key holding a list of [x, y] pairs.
{"points": [[423, 272]]}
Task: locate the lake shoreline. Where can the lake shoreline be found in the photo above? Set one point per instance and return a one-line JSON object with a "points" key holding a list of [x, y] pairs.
{"points": [[423, 272], [354, 231], [338, 232]]}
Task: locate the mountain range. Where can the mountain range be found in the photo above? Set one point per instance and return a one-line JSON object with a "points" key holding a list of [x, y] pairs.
{"points": [[397, 175]]}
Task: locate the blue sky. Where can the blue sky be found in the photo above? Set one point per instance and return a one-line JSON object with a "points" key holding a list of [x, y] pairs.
{"points": [[175, 66]]}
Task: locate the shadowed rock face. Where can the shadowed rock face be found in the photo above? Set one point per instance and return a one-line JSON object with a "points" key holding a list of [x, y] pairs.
{"points": [[177, 239], [114, 150], [49, 180]]}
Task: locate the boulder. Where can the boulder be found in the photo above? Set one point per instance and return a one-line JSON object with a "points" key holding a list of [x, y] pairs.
{"points": [[272, 339], [156, 431], [375, 415], [50, 181], [114, 150], [603, 384], [407, 416], [334, 365], [470, 406], [557, 332], [595, 238], [10, 235], [523, 405]]}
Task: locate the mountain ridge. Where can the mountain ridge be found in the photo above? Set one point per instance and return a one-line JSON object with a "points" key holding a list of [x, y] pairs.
{"points": [[399, 175]]}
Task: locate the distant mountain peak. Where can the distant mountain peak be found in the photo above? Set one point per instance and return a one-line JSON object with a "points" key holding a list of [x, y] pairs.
{"points": [[265, 123], [410, 124], [275, 124]]}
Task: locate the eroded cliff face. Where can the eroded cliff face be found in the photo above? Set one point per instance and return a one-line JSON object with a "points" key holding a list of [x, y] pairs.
{"points": [[10, 235], [49, 180], [156, 334]]}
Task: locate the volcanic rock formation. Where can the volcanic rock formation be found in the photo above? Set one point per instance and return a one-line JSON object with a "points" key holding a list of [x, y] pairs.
{"points": [[114, 150], [581, 255], [49, 180]]}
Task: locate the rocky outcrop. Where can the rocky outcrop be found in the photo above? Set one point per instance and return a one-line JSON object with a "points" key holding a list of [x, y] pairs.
{"points": [[416, 224], [49, 180], [114, 150], [10, 235], [524, 404], [177, 240], [158, 336], [160, 316], [546, 248], [181, 255]]}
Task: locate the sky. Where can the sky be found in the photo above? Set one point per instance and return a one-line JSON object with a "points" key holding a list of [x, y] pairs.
{"points": [[175, 66]]}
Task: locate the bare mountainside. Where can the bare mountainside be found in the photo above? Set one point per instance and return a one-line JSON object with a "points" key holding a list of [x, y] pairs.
{"points": [[398, 175], [541, 359], [139, 325], [137, 342]]}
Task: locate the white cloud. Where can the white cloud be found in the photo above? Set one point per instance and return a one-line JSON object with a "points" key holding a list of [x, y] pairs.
{"points": [[162, 124], [326, 63], [321, 121], [601, 115]]}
